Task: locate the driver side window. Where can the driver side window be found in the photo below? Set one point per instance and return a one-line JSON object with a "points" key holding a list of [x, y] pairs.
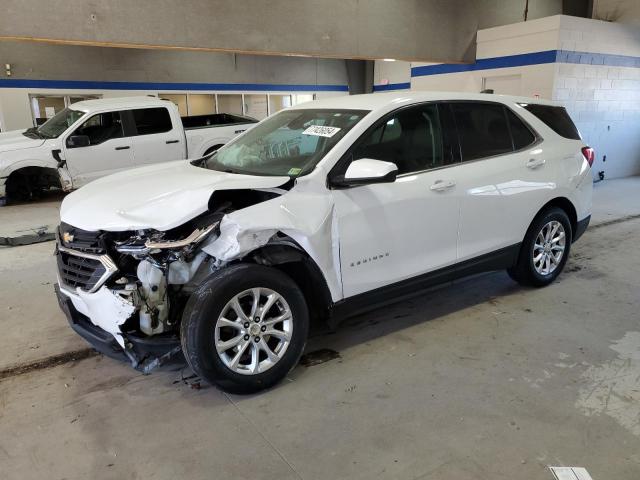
{"points": [[411, 138], [101, 127]]}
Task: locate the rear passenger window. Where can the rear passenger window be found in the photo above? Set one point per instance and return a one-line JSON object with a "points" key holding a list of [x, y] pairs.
{"points": [[522, 135], [556, 118], [410, 138], [482, 129], [152, 120]]}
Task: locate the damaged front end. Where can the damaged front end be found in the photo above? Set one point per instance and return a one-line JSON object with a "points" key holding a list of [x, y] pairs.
{"points": [[125, 292]]}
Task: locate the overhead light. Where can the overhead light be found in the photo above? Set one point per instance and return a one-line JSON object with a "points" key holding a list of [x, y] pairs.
{"points": [[388, 59]]}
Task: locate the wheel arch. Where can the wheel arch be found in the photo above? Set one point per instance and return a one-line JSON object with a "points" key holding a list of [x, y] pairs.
{"points": [[26, 169], [567, 206], [213, 143], [288, 257]]}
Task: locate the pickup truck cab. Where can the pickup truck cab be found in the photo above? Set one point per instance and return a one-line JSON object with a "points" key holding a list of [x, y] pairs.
{"points": [[94, 138], [319, 212]]}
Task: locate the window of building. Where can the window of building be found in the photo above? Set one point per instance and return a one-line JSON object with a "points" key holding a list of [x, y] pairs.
{"points": [[201, 104], [228, 103], [256, 106], [44, 107], [278, 102]]}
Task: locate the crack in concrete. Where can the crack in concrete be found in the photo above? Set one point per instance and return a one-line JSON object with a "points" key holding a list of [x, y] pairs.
{"points": [[48, 362], [614, 221]]}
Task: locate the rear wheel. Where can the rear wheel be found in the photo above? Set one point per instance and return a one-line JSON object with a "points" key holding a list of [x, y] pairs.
{"points": [[545, 249], [245, 328]]}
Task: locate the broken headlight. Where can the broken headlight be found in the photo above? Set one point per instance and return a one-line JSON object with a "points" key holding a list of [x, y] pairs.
{"points": [[156, 242]]}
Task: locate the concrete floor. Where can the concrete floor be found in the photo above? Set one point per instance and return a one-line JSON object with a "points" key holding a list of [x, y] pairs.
{"points": [[481, 379]]}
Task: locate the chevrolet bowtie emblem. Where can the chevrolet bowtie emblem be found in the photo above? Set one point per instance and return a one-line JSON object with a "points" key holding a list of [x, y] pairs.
{"points": [[67, 237]]}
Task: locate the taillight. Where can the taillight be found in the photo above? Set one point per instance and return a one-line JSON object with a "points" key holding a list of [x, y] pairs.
{"points": [[589, 155]]}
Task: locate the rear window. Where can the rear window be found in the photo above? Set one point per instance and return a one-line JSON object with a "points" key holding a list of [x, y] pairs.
{"points": [[522, 136], [483, 130], [152, 120], [556, 118]]}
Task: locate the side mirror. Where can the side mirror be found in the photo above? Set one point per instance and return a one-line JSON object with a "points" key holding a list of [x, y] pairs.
{"points": [[366, 171], [75, 141]]}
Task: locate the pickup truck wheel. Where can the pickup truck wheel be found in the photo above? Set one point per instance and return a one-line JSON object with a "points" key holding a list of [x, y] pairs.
{"points": [[212, 149], [545, 249], [245, 328]]}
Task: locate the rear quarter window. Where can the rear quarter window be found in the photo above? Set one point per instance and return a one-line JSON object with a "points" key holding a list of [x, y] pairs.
{"points": [[556, 118]]}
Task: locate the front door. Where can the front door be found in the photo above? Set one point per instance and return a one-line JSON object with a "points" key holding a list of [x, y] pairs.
{"points": [[390, 232], [108, 149]]}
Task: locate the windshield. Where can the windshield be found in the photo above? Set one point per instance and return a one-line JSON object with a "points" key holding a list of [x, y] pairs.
{"points": [[290, 143], [56, 125]]}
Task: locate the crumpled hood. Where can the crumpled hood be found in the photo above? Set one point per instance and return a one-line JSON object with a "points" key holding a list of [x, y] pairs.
{"points": [[160, 197], [15, 140]]}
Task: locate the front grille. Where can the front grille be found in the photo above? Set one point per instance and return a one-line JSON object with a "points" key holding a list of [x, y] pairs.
{"points": [[82, 240], [80, 271], [83, 258]]}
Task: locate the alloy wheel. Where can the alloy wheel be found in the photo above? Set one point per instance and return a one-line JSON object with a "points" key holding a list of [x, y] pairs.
{"points": [[253, 331], [549, 247]]}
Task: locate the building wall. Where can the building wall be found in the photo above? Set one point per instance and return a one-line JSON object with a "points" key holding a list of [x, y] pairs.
{"points": [[493, 43], [602, 93], [391, 75], [592, 67], [113, 72]]}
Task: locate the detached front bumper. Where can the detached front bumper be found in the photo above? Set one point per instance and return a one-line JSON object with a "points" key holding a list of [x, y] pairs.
{"points": [[144, 353]]}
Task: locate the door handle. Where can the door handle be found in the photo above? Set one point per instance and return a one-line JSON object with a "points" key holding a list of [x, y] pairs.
{"points": [[123, 148], [172, 141], [440, 185], [535, 162]]}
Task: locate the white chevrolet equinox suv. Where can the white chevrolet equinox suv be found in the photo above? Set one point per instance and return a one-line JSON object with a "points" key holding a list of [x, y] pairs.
{"points": [[321, 211]]}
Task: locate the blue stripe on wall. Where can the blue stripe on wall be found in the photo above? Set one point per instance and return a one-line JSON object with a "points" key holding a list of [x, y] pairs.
{"points": [[392, 86], [587, 58], [534, 58], [94, 85]]}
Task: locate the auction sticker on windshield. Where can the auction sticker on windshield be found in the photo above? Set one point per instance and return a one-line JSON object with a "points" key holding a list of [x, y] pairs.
{"points": [[320, 131]]}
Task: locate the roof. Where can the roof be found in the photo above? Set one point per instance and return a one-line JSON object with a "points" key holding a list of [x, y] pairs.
{"points": [[117, 103], [376, 101]]}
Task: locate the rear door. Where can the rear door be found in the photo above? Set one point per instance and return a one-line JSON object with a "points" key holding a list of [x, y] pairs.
{"points": [[109, 148], [157, 138], [505, 177]]}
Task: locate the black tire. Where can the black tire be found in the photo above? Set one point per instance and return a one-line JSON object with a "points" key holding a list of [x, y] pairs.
{"points": [[524, 271], [201, 313]]}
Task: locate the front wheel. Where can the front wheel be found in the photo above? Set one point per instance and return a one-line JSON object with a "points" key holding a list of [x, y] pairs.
{"points": [[545, 249], [245, 328]]}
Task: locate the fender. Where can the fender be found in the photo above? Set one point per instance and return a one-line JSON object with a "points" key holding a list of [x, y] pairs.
{"points": [[308, 218]]}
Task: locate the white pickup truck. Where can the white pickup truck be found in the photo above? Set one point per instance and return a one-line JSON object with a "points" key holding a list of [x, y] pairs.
{"points": [[94, 138]]}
